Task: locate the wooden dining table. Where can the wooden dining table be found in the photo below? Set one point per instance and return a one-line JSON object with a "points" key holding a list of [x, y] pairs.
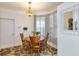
{"points": [[28, 39], [42, 40]]}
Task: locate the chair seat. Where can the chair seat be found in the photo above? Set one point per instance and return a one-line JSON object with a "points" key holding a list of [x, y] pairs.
{"points": [[36, 47], [43, 43]]}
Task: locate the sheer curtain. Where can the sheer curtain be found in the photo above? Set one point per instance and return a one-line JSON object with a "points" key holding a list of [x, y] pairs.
{"points": [[40, 24]]}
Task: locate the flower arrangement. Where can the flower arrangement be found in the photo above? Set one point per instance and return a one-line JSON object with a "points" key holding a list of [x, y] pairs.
{"points": [[35, 33]]}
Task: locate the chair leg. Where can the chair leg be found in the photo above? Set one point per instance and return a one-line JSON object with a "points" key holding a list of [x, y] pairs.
{"points": [[38, 52], [31, 51]]}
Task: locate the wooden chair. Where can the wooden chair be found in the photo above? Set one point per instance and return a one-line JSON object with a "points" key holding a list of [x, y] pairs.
{"points": [[34, 44], [46, 39], [25, 43], [22, 36], [22, 39], [43, 43]]}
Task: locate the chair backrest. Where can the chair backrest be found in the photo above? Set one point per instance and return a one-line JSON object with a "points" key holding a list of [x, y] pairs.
{"points": [[22, 36], [34, 41], [47, 36], [44, 41]]}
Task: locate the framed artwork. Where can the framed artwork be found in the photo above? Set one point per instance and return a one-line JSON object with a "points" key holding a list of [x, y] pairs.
{"points": [[68, 20]]}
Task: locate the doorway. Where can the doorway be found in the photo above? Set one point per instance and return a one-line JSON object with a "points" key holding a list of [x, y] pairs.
{"points": [[7, 32]]}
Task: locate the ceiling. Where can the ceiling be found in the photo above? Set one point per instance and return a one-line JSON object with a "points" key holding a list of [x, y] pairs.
{"points": [[36, 6]]}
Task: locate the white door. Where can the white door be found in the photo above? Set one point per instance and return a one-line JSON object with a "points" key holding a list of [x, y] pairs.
{"points": [[6, 33]]}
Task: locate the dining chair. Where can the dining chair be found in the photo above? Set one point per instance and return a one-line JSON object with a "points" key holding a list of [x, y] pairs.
{"points": [[43, 43], [46, 39], [22, 39], [23, 46], [22, 36], [25, 43], [34, 44]]}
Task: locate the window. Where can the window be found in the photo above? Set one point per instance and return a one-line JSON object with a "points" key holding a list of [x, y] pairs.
{"points": [[40, 25]]}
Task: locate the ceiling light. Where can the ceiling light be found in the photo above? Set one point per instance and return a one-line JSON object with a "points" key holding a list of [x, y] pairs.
{"points": [[29, 13]]}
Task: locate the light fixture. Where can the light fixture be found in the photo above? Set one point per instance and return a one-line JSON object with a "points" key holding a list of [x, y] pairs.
{"points": [[29, 13]]}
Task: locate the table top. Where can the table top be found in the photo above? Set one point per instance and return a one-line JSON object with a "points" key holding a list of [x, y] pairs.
{"points": [[28, 39]]}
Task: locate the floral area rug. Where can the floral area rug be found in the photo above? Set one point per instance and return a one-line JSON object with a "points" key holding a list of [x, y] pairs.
{"points": [[17, 51]]}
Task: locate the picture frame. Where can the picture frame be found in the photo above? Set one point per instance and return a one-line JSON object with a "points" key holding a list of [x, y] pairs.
{"points": [[69, 25], [68, 20]]}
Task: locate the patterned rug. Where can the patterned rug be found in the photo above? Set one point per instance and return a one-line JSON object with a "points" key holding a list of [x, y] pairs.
{"points": [[17, 51]]}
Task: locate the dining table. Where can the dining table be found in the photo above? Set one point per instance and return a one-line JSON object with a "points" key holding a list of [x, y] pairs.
{"points": [[42, 42], [28, 39]]}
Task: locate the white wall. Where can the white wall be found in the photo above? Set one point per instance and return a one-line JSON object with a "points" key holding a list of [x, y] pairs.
{"points": [[68, 41], [21, 20]]}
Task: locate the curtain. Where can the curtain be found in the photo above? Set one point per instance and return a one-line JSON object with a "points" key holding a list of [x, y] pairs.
{"points": [[40, 24]]}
